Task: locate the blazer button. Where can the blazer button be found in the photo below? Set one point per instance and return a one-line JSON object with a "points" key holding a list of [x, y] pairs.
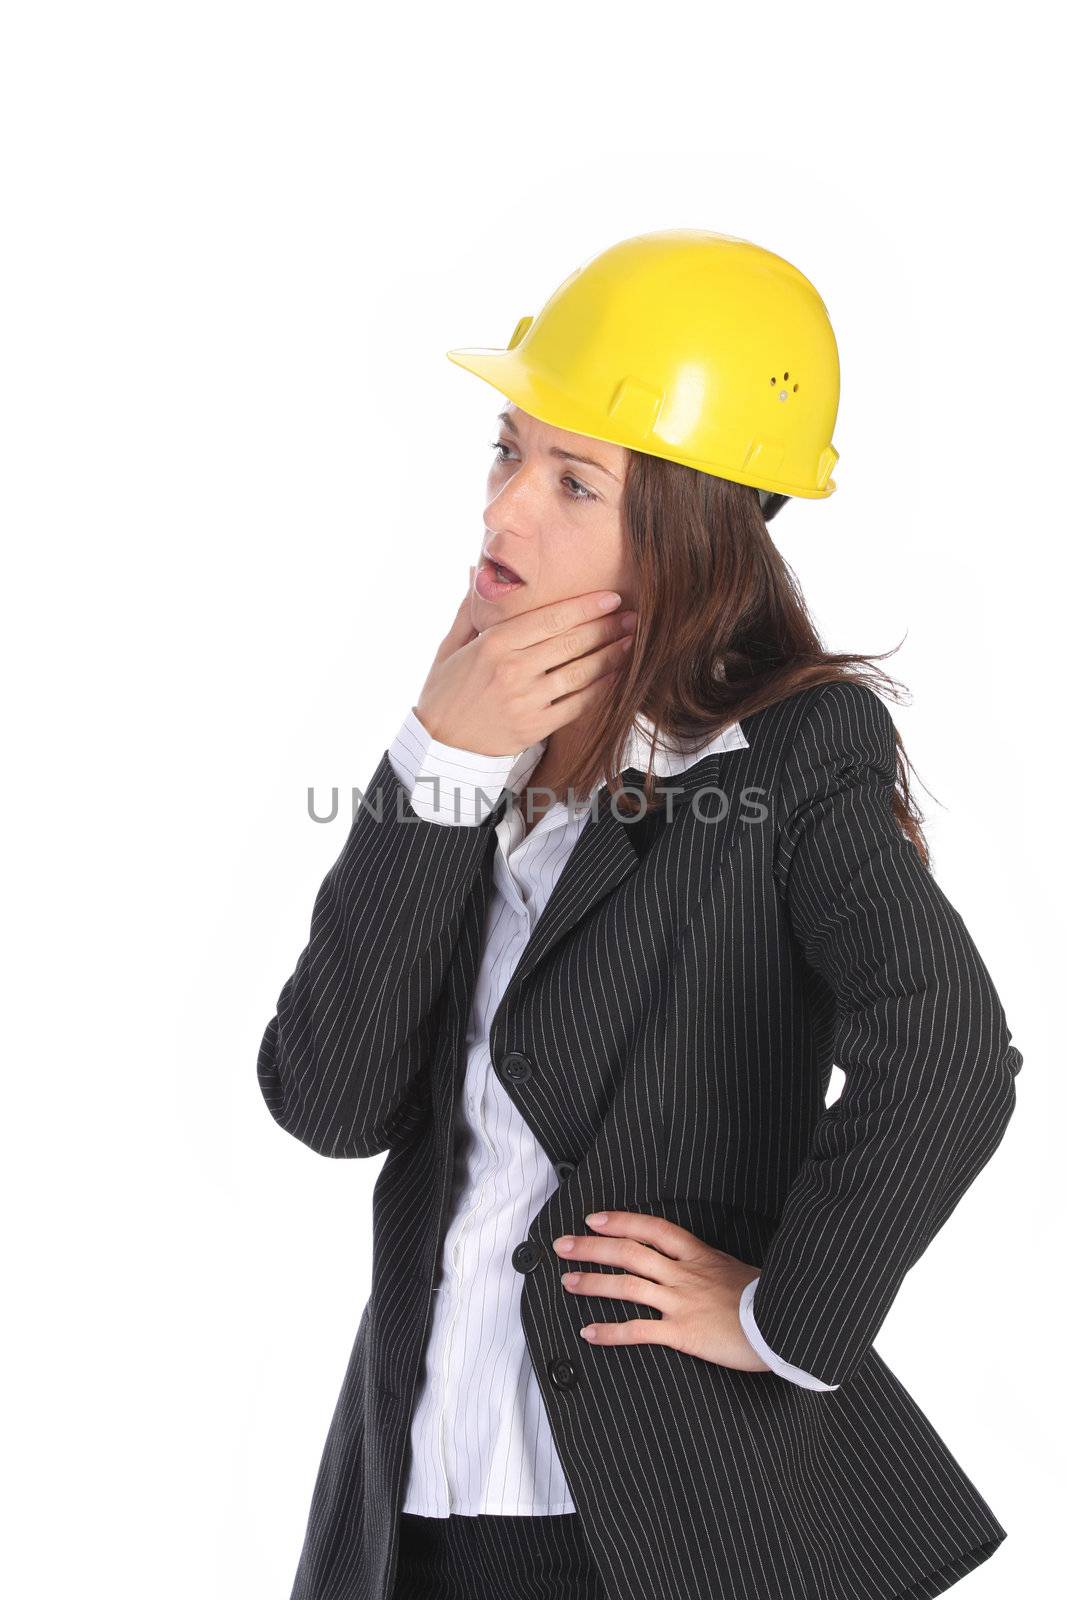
{"points": [[564, 1169], [516, 1067], [525, 1256], [563, 1372]]}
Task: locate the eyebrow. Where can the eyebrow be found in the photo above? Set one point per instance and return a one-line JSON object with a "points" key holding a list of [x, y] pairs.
{"points": [[565, 455]]}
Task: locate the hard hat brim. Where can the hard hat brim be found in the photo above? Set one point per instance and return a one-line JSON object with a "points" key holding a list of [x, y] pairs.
{"points": [[508, 372]]}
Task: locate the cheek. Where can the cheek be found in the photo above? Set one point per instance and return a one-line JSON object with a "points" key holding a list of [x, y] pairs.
{"points": [[590, 548]]}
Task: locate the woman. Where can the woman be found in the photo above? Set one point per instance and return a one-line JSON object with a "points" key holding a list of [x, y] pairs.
{"points": [[593, 1025]]}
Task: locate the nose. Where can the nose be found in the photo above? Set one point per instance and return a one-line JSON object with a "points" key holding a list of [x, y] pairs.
{"points": [[517, 497], [509, 523]]}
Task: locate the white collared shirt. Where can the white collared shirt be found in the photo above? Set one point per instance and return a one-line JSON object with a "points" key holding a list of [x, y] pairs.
{"points": [[480, 1436]]}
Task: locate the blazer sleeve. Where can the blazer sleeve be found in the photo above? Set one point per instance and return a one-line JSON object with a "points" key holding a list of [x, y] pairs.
{"points": [[921, 1038], [344, 1062]]}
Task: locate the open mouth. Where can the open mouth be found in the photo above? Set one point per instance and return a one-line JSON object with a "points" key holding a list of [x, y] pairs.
{"points": [[495, 579], [502, 573]]}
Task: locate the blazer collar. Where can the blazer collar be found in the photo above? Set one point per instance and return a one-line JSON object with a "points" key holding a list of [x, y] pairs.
{"points": [[605, 852]]}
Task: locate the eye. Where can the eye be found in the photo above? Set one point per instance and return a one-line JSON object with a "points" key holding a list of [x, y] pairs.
{"points": [[583, 494], [579, 492]]}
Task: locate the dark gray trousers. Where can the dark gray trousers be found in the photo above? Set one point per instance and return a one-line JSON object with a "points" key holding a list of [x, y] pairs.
{"points": [[495, 1558]]}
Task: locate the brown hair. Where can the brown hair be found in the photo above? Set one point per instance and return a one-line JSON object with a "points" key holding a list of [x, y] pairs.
{"points": [[722, 628]]}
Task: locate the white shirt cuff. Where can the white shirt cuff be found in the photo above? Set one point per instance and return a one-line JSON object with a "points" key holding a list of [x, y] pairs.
{"points": [[445, 784], [784, 1369]]}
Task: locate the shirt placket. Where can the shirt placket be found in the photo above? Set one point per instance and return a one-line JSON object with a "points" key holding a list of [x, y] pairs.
{"points": [[517, 850]]}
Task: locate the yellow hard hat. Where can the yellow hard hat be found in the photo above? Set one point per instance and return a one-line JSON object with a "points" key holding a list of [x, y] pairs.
{"points": [[695, 346]]}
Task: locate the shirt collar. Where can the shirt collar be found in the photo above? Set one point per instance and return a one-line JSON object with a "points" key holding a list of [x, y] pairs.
{"points": [[668, 762]]}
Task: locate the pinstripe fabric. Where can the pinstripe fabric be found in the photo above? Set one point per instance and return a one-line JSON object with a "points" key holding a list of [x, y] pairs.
{"points": [[669, 1028], [480, 1437], [495, 1558], [451, 786]]}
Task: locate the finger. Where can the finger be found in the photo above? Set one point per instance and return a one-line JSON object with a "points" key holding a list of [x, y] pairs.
{"points": [[530, 627], [462, 630], [569, 706], [636, 1257], [615, 1286], [639, 1330], [663, 1235], [578, 642], [574, 675]]}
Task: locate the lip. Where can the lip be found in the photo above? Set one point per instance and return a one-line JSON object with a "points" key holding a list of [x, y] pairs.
{"points": [[489, 559], [489, 586]]}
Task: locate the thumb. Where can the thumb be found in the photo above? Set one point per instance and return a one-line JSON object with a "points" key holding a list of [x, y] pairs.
{"points": [[462, 630]]}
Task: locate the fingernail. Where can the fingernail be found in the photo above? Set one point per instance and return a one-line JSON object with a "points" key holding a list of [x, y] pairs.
{"points": [[606, 601], [597, 1217]]}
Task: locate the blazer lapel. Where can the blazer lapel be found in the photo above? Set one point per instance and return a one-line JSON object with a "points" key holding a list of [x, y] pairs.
{"points": [[604, 855]]}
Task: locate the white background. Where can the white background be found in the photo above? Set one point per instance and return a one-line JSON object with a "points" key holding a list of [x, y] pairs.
{"points": [[241, 489]]}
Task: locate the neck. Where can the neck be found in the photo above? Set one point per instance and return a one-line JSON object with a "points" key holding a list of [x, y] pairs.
{"points": [[559, 757]]}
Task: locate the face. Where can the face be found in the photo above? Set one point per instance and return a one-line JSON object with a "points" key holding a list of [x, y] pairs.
{"points": [[554, 520]]}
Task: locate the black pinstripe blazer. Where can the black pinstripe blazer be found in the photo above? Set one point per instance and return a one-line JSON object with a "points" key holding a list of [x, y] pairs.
{"points": [[668, 1035]]}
